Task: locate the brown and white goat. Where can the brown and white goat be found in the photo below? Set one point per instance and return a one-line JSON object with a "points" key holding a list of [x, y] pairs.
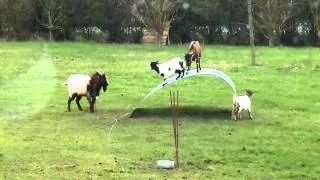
{"points": [[193, 54], [242, 103], [80, 85]]}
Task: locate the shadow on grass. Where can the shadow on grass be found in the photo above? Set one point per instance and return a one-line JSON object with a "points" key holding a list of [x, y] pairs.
{"points": [[189, 111]]}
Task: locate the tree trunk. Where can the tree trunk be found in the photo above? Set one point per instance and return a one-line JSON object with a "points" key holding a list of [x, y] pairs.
{"points": [[317, 28], [159, 38], [50, 25], [50, 34], [271, 40], [2, 29], [253, 51], [212, 33], [313, 34], [316, 21], [166, 36]]}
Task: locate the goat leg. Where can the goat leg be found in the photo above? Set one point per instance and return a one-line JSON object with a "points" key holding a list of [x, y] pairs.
{"points": [[232, 114], [197, 67], [235, 110], [164, 82], [188, 69], [179, 74], [91, 102], [69, 102], [78, 103], [71, 99], [250, 114], [91, 108]]}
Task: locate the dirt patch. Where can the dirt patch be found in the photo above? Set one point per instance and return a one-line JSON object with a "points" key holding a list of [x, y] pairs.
{"points": [[191, 111]]}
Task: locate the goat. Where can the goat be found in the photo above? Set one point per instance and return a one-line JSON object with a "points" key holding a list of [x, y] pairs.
{"points": [[242, 103], [80, 85], [175, 65], [193, 54]]}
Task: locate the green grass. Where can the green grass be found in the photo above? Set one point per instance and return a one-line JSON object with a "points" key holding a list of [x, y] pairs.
{"points": [[40, 140]]}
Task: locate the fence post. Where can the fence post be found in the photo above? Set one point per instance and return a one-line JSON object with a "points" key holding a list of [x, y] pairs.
{"points": [[174, 104]]}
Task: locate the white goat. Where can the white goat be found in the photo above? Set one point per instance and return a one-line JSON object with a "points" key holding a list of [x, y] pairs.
{"points": [[165, 70], [242, 103]]}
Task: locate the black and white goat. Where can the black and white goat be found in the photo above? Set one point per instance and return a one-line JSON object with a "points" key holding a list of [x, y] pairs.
{"points": [[242, 103], [165, 70], [80, 85]]}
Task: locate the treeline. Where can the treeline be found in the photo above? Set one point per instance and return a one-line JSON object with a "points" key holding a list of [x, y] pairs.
{"points": [[276, 22]]}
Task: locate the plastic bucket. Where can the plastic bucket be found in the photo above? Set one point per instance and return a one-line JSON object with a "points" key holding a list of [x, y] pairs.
{"points": [[165, 164]]}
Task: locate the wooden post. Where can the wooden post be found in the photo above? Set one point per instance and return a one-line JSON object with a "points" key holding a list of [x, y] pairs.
{"points": [[174, 102]]}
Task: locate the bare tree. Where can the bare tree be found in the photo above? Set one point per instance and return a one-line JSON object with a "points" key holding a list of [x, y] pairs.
{"points": [[156, 15], [3, 17], [314, 6], [271, 17], [15, 18], [51, 16]]}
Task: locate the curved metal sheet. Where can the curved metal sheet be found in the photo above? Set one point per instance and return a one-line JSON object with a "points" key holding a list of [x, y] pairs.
{"points": [[204, 71]]}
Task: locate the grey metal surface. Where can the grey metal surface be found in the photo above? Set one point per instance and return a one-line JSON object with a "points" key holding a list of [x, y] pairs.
{"points": [[191, 73]]}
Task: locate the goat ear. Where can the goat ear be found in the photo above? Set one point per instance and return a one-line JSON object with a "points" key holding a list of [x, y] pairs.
{"points": [[249, 92]]}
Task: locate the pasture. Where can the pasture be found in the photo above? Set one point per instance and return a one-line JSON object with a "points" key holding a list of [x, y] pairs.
{"points": [[40, 140]]}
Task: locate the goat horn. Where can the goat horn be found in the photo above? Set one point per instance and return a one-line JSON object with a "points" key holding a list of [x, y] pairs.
{"points": [[100, 72]]}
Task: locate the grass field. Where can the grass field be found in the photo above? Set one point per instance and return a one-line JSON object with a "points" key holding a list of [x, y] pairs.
{"points": [[40, 140]]}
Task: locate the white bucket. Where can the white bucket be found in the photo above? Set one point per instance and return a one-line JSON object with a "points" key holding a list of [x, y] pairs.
{"points": [[165, 164]]}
